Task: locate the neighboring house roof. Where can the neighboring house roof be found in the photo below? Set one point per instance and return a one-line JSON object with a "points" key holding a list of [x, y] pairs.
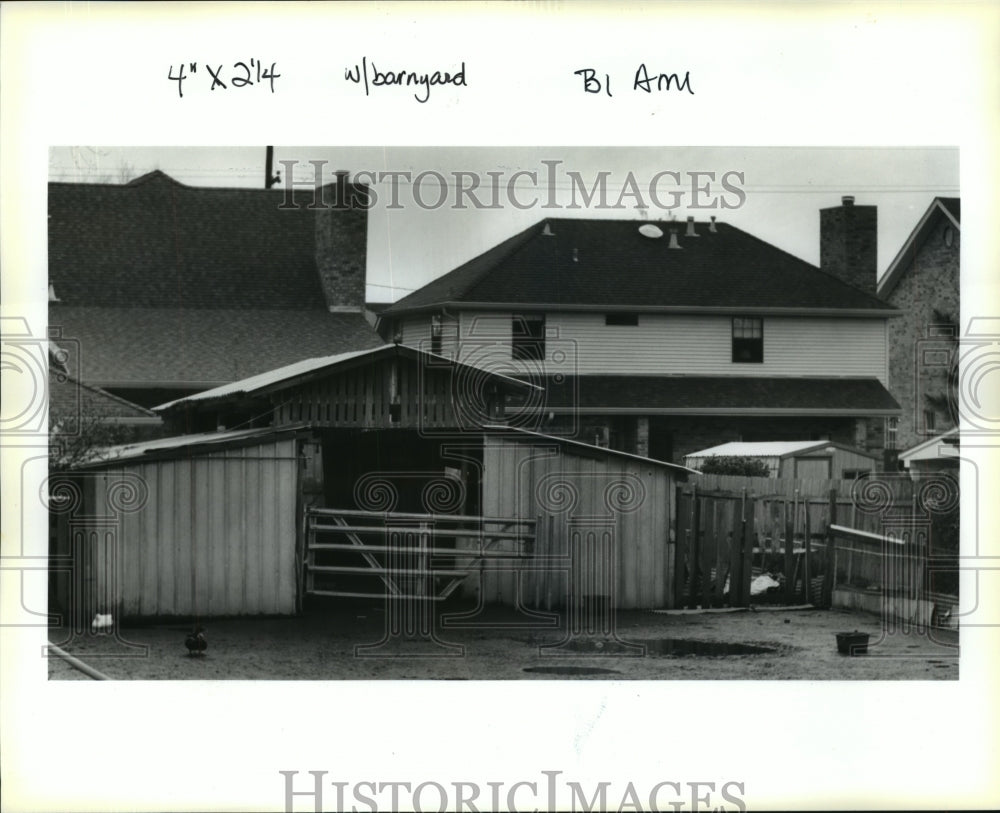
{"points": [[939, 447], [721, 395], [142, 347], [69, 399], [155, 242], [608, 264], [293, 374], [776, 448], [940, 207]]}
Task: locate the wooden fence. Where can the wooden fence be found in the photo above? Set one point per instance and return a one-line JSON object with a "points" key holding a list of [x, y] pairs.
{"points": [[731, 530]]}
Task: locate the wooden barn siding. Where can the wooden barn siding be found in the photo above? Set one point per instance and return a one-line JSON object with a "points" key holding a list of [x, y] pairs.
{"points": [[691, 344], [216, 537], [515, 470], [360, 398]]}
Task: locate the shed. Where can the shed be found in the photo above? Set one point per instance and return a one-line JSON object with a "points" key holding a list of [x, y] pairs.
{"points": [[604, 522], [936, 454], [798, 459]]}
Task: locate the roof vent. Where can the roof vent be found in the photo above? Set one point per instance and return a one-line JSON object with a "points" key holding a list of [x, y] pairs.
{"points": [[711, 226], [547, 231], [690, 228], [847, 200], [576, 255], [52, 294], [651, 231], [673, 239]]}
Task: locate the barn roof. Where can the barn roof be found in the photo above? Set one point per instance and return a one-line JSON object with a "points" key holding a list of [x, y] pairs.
{"points": [[122, 347], [294, 373], [609, 264], [721, 395]]}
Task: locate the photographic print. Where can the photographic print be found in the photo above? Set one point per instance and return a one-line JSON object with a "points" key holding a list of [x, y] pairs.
{"points": [[504, 413], [491, 406]]}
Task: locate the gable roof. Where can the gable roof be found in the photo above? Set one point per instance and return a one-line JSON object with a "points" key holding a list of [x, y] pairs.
{"points": [[608, 264], [70, 399], [717, 395], [949, 208], [292, 374], [774, 448], [144, 347], [155, 242]]}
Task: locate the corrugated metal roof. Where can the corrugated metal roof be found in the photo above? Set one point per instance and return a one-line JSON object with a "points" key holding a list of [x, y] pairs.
{"points": [[775, 448], [256, 383], [128, 451]]}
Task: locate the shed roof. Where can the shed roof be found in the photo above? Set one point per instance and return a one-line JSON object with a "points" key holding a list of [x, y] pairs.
{"points": [[777, 448], [720, 395], [571, 263], [939, 446], [131, 451], [587, 448], [292, 373]]}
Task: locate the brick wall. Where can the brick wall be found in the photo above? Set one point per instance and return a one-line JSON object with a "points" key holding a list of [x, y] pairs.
{"points": [[919, 347], [341, 250], [848, 244]]}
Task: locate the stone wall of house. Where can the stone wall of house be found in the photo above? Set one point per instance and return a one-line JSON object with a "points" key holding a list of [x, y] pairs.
{"points": [[921, 345], [342, 248]]}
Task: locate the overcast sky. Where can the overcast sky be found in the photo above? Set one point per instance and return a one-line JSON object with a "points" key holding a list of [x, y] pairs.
{"points": [[407, 247]]}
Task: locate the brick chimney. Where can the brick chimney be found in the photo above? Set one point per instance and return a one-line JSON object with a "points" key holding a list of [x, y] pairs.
{"points": [[342, 245], [848, 243]]}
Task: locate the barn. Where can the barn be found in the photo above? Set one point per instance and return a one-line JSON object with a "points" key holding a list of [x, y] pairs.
{"points": [[795, 459], [383, 472]]}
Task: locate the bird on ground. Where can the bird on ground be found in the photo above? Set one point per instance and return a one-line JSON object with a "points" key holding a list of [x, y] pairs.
{"points": [[196, 642]]}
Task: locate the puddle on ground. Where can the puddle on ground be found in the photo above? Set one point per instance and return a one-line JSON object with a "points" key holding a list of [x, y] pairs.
{"points": [[675, 647], [570, 670]]}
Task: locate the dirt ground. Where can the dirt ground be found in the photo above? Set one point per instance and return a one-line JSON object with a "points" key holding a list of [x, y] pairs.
{"points": [[323, 645]]}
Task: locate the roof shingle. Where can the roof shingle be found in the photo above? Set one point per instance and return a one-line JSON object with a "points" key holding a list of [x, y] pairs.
{"points": [[582, 262]]}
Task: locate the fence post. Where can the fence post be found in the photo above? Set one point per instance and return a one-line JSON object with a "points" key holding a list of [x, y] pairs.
{"points": [[749, 512], [829, 575], [695, 547], [806, 570], [789, 553]]}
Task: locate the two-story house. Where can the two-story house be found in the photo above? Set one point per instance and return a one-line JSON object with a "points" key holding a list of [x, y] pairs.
{"points": [[662, 338], [923, 283], [159, 290]]}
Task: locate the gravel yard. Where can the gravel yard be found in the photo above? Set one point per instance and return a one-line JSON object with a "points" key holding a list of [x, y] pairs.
{"points": [[794, 644]]}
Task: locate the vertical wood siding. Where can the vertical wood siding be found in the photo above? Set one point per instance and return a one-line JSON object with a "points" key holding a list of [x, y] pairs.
{"points": [[216, 536], [569, 495], [680, 344]]}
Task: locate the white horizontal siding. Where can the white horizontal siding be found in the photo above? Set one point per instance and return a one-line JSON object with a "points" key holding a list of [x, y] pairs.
{"points": [[416, 332], [683, 344]]}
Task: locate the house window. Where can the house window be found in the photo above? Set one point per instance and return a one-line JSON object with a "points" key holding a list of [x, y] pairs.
{"points": [[528, 338], [436, 335], [621, 319], [929, 420], [891, 425], [748, 339]]}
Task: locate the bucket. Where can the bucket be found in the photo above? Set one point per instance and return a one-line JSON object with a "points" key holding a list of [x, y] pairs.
{"points": [[852, 643]]}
